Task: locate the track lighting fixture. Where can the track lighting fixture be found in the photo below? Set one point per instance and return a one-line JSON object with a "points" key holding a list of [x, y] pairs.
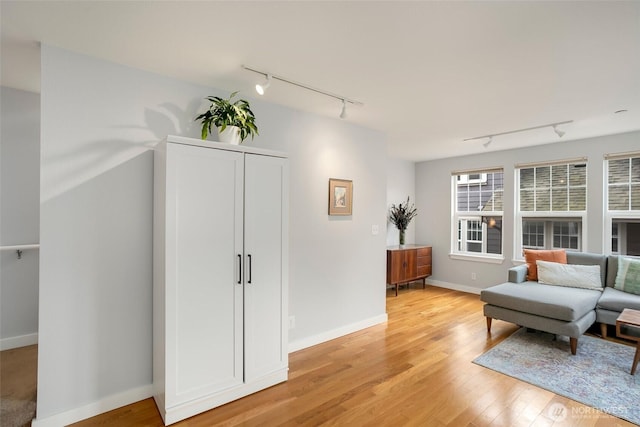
{"points": [[260, 88], [343, 113], [559, 132]]}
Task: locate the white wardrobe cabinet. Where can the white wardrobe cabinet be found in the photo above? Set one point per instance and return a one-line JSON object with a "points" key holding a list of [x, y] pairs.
{"points": [[220, 274]]}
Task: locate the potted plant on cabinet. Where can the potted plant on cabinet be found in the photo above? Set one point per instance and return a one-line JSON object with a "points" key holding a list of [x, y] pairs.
{"points": [[234, 119], [401, 216]]}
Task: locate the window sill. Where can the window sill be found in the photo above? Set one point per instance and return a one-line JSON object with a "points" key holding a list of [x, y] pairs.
{"points": [[490, 259]]}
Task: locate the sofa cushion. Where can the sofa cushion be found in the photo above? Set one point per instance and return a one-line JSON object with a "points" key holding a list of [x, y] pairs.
{"points": [[555, 302], [571, 275], [615, 300], [532, 255], [628, 277], [586, 258]]}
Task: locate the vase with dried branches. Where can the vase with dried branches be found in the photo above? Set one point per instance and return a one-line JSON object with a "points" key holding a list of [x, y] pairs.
{"points": [[401, 216]]}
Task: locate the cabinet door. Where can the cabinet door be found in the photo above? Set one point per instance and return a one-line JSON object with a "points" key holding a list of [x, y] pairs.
{"points": [[410, 264], [395, 270], [265, 222], [204, 290]]}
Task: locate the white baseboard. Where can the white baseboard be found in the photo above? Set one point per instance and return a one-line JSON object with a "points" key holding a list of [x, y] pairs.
{"points": [[96, 408], [454, 286], [336, 333], [19, 341]]}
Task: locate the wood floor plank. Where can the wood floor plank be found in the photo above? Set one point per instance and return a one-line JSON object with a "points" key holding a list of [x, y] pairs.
{"points": [[415, 370]]}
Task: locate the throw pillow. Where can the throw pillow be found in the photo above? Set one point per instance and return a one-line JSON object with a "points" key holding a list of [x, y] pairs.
{"points": [[571, 275], [628, 277], [532, 255]]}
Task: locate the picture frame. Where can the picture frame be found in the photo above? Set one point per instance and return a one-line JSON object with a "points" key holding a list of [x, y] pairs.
{"points": [[340, 196]]}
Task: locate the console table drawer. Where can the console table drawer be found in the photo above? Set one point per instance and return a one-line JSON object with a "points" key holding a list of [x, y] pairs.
{"points": [[424, 252], [424, 270], [424, 260]]}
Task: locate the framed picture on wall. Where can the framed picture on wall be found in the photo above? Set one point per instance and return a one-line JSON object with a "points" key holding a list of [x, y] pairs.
{"points": [[340, 196]]}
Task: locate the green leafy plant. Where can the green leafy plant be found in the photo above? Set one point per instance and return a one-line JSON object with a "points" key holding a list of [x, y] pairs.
{"points": [[401, 216], [226, 112]]}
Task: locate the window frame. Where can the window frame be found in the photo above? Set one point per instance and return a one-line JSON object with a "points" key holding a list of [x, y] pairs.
{"points": [[610, 216], [458, 227], [550, 217]]}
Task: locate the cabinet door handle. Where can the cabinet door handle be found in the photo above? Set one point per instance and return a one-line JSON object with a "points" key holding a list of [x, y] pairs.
{"points": [[249, 281], [239, 269]]}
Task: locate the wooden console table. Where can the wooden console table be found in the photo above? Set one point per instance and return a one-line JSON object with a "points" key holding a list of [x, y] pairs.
{"points": [[630, 318], [408, 263]]}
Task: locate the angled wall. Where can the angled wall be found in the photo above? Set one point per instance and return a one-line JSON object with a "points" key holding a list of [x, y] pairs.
{"points": [[99, 123]]}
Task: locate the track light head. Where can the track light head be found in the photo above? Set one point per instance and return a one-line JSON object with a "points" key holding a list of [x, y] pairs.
{"points": [[343, 113], [261, 88], [558, 131]]}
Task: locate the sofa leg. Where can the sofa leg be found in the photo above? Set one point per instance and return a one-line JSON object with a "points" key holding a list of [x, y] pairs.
{"points": [[489, 324], [573, 342], [603, 329]]}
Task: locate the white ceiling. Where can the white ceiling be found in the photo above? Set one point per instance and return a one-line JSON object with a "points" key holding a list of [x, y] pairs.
{"points": [[429, 73]]}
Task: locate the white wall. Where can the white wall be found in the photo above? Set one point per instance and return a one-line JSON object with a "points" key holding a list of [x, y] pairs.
{"points": [[19, 216], [98, 121], [401, 180], [433, 189]]}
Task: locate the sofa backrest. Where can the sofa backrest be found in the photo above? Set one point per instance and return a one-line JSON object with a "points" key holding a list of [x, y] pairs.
{"points": [[612, 268], [586, 258]]}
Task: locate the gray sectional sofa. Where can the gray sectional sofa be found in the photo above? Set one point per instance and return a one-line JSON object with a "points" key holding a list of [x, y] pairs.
{"points": [[559, 310]]}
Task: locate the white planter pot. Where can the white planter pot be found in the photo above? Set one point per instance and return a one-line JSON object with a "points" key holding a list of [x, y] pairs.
{"points": [[231, 135]]}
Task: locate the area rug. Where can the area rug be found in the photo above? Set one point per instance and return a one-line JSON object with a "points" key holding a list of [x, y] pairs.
{"points": [[598, 376], [17, 413]]}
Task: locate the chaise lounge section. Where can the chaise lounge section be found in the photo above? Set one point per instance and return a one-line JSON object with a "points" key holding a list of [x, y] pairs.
{"points": [[559, 310]]}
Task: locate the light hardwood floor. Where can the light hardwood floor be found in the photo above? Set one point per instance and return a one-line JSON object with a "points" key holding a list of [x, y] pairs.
{"points": [[415, 370]]}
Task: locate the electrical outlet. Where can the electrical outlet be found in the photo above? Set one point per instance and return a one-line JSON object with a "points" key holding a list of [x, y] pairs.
{"points": [[375, 229], [292, 322], [473, 276]]}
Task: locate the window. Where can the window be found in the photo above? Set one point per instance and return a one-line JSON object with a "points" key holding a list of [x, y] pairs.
{"points": [[622, 219], [533, 234], [477, 213], [614, 238], [566, 234], [551, 205], [470, 235]]}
